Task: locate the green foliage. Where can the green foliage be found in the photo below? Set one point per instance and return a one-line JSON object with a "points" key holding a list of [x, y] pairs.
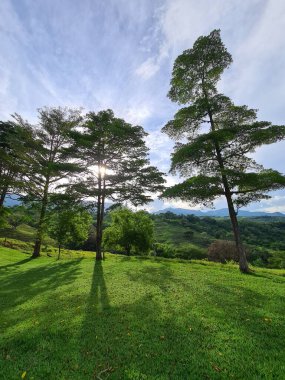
{"points": [[4, 212], [130, 231], [117, 157], [15, 141], [186, 251], [118, 165], [51, 159], [199, 69], [216, 161], [163, 250], [17, 215], [263, 237], [137, 318], [70, 226]]}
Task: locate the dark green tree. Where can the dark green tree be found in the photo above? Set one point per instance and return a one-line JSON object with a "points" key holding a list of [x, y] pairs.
{"points": [[15, 144], [51, 160], [132, 231], [215, 136], [69, 224], [117, 159]]}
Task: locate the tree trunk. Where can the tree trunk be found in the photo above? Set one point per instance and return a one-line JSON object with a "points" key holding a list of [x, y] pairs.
{"points": [[58, 256], [243, 264], [100, 216], [2, 196], [98, 224], [39, 237]]}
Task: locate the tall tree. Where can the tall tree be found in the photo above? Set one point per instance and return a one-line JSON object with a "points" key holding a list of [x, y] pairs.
{"points": [[216, 136], [52, 159], [15, 143], [119, 169]]}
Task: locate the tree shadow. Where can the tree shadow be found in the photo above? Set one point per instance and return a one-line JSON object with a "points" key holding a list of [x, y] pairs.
{"points": [[136, 336], [16, 264], [22, 286]]}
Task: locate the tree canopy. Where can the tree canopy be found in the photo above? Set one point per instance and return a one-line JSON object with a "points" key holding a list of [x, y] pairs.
{"points": [[130, 231]]}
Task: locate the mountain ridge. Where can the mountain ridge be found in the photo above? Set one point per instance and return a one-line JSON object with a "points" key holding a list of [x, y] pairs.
{"points": [[217, 213]]}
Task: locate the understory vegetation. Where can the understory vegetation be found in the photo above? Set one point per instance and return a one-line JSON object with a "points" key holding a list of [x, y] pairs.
{"points": [[174, 236]]}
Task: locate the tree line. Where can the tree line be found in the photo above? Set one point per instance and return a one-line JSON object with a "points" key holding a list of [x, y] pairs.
{"points": [[70, 157]]}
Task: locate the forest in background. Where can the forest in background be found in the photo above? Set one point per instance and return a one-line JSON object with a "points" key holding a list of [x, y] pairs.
{"points": [[174, 236]]}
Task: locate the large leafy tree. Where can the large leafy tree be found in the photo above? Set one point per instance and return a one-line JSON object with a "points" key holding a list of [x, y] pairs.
{"points": [[119, 169], [51, 160], [15, 144], [131, 231], [214, 137]]}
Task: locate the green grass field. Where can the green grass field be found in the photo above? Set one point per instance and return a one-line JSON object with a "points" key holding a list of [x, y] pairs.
{"points": [[134, 318]]}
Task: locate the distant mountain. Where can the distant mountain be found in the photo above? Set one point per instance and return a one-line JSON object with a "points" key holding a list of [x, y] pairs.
{"points": [[218, 213], [180, 211]]}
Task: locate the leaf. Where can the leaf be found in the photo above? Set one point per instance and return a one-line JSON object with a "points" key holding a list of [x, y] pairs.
{"points": [[24, 374], [216, 368]]}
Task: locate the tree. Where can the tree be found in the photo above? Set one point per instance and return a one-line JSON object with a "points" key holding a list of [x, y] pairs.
{"points": [[51, 160], [69, 225], [132, 231], [119, 169], [15, 141], [215, 162]]}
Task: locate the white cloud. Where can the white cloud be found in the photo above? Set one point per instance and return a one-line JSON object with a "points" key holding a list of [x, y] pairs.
{"points": [[137, 114], [120, 55], [147, 69]]}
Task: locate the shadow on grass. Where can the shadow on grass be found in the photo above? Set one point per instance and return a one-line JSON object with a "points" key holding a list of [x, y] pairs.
{"points": [[16, 264], [136, 338], [140, 321], [18, 287], [35, 319], [275, 277]]}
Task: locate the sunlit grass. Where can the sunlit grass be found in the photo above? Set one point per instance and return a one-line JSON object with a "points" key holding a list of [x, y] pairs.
{"points": [[136, 318]]}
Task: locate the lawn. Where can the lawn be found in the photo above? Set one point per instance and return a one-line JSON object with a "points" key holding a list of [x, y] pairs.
{"points": [[132, 318]]}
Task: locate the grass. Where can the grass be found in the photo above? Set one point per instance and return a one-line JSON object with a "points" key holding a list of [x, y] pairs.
{"points": [[23, 232], [135, 318]]}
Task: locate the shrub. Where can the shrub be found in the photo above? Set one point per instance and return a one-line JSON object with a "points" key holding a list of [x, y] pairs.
{"points": [[222, 251], [163, 250], [189, 251]]}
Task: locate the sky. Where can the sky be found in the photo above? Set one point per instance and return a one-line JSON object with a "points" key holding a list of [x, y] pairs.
{"points": [[119, 54]]}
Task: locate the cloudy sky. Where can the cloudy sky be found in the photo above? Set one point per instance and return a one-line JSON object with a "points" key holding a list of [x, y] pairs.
{"points": [[119, 54]]}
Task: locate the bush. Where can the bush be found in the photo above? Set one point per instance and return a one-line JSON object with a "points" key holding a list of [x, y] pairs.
{"points": [[222, 251], [277, 260], [163, 250], [184, 251], [189, 252]]}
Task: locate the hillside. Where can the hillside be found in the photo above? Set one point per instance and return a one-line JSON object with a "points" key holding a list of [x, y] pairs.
{"points": [[264, 236], [131, 318], [190, 236]]}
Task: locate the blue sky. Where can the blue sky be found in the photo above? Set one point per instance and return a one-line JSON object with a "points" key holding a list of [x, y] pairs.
{"points": [[119, 54]]}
